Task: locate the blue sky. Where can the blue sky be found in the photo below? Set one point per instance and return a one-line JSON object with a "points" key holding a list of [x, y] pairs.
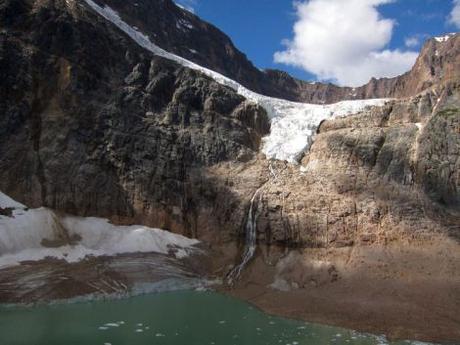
{"points": [[258, 28]]}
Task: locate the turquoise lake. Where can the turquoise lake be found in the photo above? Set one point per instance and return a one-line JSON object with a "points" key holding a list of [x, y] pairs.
{"points": [[175, 318]]}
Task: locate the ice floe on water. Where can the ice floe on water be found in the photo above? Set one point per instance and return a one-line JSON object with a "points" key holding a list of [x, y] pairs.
{"points": [[34, 234], [293, 124]]}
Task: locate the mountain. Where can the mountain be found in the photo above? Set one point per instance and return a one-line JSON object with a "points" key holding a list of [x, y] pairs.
{"points": [[96, 120], [183, 33], [93, 124]]}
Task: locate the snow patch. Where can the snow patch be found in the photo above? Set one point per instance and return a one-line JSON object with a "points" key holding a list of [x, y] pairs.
{"points": [[23, 237], [185, 8], [293, 124], [7, 202], [184, 24], [445, 38]]}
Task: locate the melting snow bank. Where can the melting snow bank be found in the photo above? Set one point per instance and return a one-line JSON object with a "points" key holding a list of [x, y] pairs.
{"points": [[293, 124], [39, 233]]}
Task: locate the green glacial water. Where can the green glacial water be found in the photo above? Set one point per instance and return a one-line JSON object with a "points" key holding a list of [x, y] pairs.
{"points": [[175, 318]]}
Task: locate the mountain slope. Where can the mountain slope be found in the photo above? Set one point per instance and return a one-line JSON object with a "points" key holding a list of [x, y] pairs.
{"points": [[183, 33], [292, 124]]}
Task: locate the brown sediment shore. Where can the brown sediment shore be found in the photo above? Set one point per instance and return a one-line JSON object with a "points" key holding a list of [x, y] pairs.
{"points": [[402, 291]]}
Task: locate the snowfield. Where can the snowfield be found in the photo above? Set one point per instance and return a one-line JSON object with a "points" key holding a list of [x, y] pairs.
{"points": [[24, 235], [293, 124]]}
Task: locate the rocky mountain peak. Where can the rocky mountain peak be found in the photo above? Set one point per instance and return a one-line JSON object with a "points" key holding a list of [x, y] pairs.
{"points": [[185, 34]]}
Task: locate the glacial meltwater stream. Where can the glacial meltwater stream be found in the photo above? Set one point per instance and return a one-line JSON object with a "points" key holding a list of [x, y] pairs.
{"points": [[175, 318], [250, 239]]}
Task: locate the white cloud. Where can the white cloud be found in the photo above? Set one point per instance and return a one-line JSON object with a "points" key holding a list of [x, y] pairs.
{"points": [[412, 42], [344, 41], [454, 17]]}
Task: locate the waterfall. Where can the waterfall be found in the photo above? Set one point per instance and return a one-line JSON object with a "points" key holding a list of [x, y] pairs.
{"points": [[251, 237]]}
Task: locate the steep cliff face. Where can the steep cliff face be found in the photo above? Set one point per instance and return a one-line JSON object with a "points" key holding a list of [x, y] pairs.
{"points": [[385, 175], [92, 124]]}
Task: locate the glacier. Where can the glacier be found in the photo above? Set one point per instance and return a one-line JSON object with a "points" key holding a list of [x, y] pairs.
{"points": [[293, 124]]}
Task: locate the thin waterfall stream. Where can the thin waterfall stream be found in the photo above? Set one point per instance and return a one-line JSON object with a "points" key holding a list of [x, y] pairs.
{"points": [[251, 227], [251, 236]]}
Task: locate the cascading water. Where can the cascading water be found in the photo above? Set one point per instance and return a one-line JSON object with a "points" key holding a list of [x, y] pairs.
{"points": [[251, 237]]}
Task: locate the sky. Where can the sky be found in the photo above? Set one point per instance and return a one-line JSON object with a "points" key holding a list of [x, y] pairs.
{"points": [[341, 41]]}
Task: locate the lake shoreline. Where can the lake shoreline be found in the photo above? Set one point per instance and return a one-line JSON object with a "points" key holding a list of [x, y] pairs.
{"points": [[171, 318], [402, 291]]}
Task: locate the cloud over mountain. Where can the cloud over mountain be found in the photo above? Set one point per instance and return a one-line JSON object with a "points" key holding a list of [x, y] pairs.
{"points": [[454, 17], [344, 41]]}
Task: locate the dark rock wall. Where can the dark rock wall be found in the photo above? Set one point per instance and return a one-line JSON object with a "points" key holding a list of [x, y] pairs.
{"points": [[92, 125]]}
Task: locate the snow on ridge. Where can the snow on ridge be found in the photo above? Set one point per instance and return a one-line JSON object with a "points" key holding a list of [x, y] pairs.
{"points": [[293, 124], [185, 8], [22, 236], [445, 38]]}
